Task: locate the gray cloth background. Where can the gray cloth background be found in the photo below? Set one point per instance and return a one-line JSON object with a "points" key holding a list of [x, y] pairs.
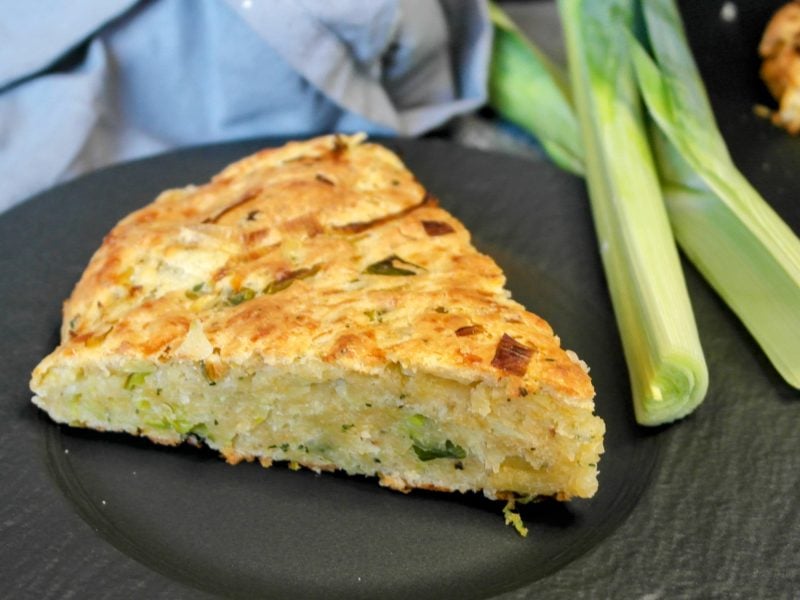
{"points": [[86, 84]]}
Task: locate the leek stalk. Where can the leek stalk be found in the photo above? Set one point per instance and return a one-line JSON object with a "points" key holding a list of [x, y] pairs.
{"points": [[745, 251], [521, 77], [666, 365], [734, 238]]}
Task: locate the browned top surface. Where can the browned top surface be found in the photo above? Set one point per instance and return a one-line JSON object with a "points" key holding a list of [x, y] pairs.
{"points": [[322, 250]]}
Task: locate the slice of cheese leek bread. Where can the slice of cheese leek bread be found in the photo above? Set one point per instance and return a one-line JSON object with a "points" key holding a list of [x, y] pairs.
{"points": [[313, 304]]}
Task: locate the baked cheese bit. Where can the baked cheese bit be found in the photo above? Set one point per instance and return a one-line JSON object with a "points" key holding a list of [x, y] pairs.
{"points": [[313, 304]]}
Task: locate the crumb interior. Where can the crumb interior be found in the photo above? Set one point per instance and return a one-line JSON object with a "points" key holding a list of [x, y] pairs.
{"points": [[408, 429]]}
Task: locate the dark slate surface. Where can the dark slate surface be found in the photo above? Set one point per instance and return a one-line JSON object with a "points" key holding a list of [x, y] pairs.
{"points": [[722, 517], [704, 508], [86, 511]]}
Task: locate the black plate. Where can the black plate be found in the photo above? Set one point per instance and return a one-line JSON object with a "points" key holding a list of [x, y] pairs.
{"points": [[246, 531], [711, 502]]}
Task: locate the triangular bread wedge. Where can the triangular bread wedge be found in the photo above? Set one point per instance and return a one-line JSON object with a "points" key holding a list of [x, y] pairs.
{"points": [[313, 304]]}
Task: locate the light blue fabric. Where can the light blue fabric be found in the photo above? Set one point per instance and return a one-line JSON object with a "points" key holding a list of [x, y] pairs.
{"points": [[99, 81]]}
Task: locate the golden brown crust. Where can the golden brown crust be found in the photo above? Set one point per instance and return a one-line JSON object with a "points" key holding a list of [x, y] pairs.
{"points": [[324, 250]]}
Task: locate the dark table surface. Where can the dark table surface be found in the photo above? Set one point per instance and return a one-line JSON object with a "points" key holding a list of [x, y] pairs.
{"points": [[720, 514]]}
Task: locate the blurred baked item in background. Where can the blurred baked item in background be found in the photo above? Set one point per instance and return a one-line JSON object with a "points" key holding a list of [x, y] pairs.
{"points": [[780, 49]]}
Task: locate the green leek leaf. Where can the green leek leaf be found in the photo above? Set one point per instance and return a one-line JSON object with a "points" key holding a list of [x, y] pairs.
{"points": [[448, 450], [387, 267], [521, 78], [669, 377]]}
